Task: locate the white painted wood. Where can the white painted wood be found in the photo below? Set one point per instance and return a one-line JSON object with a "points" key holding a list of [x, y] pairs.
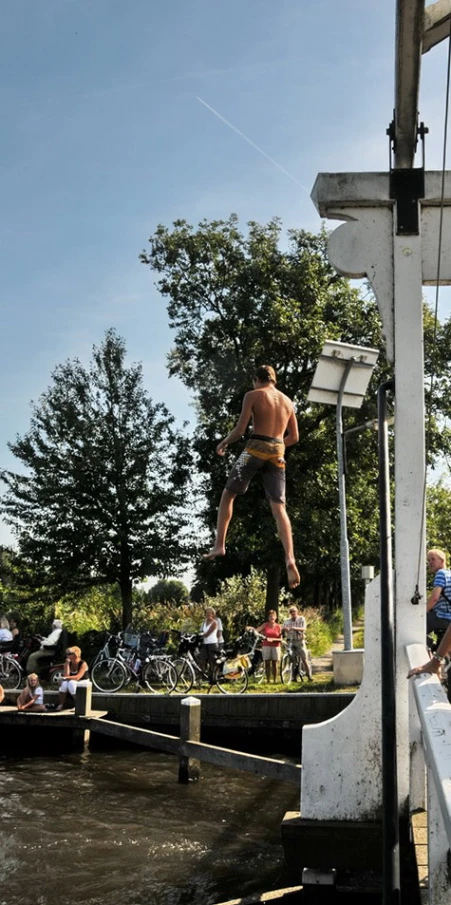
{"points": [[430, 222], [367, 245], [417, 761], [363, 247], [438, 849], [436, 23], [341, 758], [435, 717], [334, 193], [409, 480]]}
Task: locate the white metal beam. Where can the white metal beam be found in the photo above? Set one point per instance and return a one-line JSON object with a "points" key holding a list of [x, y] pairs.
{"points": [[436, 23], [409, 35]]}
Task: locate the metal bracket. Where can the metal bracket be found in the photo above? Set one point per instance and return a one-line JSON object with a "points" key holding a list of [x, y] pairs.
{"points": [[406, 189], [406, 185]]}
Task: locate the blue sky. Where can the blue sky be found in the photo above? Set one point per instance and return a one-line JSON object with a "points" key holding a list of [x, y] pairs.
{"points": [[104, 136]]}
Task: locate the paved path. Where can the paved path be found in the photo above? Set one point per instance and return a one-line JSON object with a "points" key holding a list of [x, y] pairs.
{"points": [[324, 663]]}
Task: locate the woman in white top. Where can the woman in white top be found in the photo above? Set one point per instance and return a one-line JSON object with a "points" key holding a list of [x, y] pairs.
{"points": [[209, 631], [220, 633], [5, 634]]}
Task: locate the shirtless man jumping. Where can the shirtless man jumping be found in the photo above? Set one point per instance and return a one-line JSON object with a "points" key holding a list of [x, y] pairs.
{"points": [[274, 428]]}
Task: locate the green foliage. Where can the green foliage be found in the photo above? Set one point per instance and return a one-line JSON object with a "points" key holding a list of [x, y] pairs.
{"points": [[438, 516], [240, 601], [158, 617], [358, 639], [97, 609], [236, 300], [102, 500], [168, 590]]}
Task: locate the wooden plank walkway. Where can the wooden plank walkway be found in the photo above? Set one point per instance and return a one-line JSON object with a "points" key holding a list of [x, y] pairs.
{"points": [[95, 721], [420, 838]]}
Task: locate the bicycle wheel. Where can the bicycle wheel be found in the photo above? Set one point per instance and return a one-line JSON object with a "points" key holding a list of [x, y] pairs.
{"points": [[108, 676], [234, 682], [285, 669], [56, 676], [160, 675], [259, 673], [10, 673], [185, 674]]}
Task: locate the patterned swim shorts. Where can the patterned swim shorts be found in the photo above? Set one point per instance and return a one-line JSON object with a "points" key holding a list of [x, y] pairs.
{"points": [[267, 457]]}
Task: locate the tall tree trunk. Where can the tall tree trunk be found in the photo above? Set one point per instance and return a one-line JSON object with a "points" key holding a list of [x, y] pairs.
{"points": [[127, 607], [272, 587]]}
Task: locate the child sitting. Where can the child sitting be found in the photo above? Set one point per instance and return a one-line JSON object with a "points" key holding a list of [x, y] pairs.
{"points": [[32, 696]]}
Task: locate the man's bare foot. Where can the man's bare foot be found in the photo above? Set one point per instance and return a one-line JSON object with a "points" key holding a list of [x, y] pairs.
{"points": [[214, 552], [293, 575]]}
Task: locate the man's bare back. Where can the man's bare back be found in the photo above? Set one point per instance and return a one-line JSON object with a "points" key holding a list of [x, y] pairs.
{"points": [[273, 419], [271, 411]]}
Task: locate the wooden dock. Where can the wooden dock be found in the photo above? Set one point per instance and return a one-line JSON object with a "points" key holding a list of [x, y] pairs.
{"points": [[187, 745]]}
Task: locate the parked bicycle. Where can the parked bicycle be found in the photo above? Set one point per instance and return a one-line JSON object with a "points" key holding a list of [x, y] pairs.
{"points": [[118, 664], [13, 669], [295, 662], [250, 643], [229, 673]]}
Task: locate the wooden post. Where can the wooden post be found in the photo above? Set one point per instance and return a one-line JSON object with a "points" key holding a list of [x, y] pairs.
{"points": [[190, 718], [83, 694]]}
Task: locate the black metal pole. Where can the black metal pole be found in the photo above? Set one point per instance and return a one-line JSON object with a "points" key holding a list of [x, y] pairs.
{"points": [[391, 891]]}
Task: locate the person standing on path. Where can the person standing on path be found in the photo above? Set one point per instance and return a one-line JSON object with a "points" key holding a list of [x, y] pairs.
{"points": [[294, 628], [209, 647], [274, 429], [271, 645]]}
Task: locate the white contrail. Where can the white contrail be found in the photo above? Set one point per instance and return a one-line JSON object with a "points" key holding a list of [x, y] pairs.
{"points": [[252, 144]]}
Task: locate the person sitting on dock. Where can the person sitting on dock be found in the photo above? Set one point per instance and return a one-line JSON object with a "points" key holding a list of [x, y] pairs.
{"points": [[31, 698], [75, 669]]}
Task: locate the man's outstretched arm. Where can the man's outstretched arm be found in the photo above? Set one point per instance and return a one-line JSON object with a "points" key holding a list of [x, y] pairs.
{"points": [[434, 664], [240, 427]]}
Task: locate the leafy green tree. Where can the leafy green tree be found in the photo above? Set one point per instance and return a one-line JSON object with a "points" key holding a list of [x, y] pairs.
{"points": [[239, 300], [239, 601], [235, 302], [438, 511], [169, 590], [106, 477]]}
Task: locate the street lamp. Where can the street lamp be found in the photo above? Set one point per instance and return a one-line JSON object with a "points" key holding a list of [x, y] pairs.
{"points": [[341, 378]]}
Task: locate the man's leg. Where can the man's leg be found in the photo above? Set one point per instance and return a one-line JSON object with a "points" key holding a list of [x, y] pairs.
{"points": [[225, 513], [32, 662], [37, 660], [284, 530], [305, 660]]}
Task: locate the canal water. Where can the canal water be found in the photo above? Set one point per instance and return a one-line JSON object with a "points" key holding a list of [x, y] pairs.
{"points": [[106, 827]]}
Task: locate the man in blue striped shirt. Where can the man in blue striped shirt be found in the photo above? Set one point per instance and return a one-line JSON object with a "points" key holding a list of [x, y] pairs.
{"points": [[438, 606]]}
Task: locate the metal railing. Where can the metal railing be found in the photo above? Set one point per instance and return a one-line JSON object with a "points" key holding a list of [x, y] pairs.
{"points": [[434, 712]]}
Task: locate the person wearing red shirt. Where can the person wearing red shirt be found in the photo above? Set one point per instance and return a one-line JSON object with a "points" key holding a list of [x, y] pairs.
{"points": [[271, 645]]}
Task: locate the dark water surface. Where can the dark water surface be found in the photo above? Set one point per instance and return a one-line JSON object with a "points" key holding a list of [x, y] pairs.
{"points": [[102, 828]]}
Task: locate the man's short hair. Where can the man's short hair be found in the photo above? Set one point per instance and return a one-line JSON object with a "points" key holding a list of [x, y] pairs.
{"points": [[266, 374], [439, 553]]}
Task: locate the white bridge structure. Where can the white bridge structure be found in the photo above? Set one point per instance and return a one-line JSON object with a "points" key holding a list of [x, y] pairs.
{"points": [[394, 225]]}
